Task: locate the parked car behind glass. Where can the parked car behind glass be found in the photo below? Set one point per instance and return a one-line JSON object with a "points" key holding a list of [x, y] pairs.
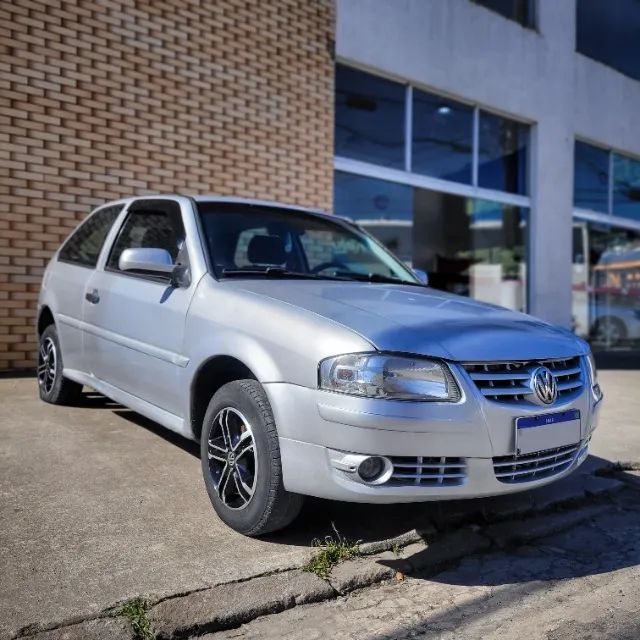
{"points": [[307, 360]]}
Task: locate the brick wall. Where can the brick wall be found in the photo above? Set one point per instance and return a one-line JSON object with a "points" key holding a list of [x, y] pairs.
{"points": [[105, 99]]}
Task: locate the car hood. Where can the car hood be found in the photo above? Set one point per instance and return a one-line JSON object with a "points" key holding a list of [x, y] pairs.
{"points": [[421, 320]]}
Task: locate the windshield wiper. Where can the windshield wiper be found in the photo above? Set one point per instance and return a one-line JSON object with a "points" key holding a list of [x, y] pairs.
{"points": [[376, 277], [277, 272]]}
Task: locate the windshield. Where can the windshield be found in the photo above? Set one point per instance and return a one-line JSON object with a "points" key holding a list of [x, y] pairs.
{"points": [[256, 241]]}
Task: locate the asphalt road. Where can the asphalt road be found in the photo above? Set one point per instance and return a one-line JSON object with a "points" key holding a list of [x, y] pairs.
{"points": [[98, 505]]}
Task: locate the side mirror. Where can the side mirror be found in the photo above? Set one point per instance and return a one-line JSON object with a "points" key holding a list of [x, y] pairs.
{"points": [[154, 261], [150, 260], [421, 275]]}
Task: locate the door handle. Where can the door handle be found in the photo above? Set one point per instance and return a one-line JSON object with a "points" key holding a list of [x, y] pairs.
{"points": [[92, 296]]}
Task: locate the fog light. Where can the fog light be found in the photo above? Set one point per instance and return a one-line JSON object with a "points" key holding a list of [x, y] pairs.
{"points": [[372, 468]]}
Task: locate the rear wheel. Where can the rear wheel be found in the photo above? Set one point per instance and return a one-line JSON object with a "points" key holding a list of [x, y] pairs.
{"points": [[52, 385], [241, 461]]}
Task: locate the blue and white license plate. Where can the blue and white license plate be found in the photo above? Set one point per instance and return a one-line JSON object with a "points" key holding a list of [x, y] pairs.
{"points": [[547, 431]]}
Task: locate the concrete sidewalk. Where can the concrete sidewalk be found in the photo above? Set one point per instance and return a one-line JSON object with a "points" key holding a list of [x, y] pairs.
{"points": [[99, 505]]}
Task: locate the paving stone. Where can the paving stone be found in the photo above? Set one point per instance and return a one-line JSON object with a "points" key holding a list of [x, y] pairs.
{"points": [[100, 629], [505, 533], [229, 605], [358, 573]]}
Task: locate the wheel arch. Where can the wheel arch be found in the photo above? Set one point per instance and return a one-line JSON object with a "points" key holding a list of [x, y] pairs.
{"points": [[212, 374], [45, 318]]}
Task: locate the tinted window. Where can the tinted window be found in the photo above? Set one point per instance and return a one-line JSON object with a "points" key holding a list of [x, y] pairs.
{"points": [[152, 224], [626, 187], [369, 118], [84, 246], [522, 11], [591, 177], [442, 137], [610, 33], [502, 154]]}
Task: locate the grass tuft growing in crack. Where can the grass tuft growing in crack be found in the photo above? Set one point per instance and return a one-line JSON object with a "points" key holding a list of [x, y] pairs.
{"points": [[135, 610], [329, 552]]}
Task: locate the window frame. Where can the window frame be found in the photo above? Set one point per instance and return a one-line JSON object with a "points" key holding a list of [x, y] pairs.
{"points": [[608, 216], [532, 8], [131, 210], [94, 266], [408, 177]]}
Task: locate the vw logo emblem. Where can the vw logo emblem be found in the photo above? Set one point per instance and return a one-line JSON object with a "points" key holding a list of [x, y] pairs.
{"points": [[543, 386]]}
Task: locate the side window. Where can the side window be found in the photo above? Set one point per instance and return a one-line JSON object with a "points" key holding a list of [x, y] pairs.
{"points": [[84, 246], [152, 224]]}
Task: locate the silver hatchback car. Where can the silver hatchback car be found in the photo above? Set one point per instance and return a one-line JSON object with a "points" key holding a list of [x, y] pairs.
{"points": [[307, 360]]}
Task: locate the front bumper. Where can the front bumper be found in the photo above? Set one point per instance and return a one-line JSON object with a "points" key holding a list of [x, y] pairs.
{"points": [[317, 429]]}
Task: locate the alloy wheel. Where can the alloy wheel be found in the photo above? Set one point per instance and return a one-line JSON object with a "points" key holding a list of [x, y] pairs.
{"points": [[47, 361], [233, 462]]}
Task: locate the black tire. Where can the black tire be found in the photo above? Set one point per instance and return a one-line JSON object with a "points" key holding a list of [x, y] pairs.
{"points": [[248, 414], [52, 385]]}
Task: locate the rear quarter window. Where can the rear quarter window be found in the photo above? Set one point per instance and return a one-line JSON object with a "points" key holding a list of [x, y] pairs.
{"points": [[84, 246]]}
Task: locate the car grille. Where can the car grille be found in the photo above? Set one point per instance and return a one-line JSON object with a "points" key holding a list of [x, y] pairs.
{"points": [[534, 466], [507, 382], [428, 471]]}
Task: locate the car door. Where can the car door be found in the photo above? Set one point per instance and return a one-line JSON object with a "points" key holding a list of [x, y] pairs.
{"points": [[68, 277], [134, 322]]}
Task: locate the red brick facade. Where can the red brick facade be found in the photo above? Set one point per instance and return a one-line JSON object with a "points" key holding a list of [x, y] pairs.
{"points": [[104, 99]]}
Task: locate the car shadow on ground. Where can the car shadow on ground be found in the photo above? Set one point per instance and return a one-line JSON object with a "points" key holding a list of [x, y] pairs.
{"points": [[522, 574], [366, 522]]}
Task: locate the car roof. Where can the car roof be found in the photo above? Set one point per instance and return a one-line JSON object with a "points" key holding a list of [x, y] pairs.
{"points": [[256, 202], [229, 200]]}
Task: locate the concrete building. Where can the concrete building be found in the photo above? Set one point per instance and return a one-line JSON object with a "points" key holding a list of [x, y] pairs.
{"points": [[493, 143]]}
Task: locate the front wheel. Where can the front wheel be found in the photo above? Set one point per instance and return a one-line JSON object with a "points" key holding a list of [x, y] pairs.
{"points": [[241, 461]]}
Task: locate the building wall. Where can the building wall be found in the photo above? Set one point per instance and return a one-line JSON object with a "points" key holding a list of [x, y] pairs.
{"points": [[461, 48], [101, 100]]}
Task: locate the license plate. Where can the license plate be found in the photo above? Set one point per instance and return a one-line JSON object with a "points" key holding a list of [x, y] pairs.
{"points": [[548, 431]]}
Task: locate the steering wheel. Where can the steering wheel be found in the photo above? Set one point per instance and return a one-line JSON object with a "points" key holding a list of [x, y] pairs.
{"points": [[323, 266]]}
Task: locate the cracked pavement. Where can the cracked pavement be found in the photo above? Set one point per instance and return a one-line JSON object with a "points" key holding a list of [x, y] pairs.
{"points": [[99, 505], [581, 583]]}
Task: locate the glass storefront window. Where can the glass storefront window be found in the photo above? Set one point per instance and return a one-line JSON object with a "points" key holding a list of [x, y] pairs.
{"points": [[384, 208], [467, 246], [502, 156], [606, 285], [608, 32], [442, 137], [591, 177], [626, 187], [369, 118]]}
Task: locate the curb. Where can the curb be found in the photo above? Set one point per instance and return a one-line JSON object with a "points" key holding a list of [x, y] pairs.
{"points": [[229, 605]]}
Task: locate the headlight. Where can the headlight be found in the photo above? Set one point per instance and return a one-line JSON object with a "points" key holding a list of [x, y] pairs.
{"points": [[392, 377], [593, 377], [593, 372]]}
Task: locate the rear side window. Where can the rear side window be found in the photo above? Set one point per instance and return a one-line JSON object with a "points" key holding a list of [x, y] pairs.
{"points": [[152, 224], [84, 246]]}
